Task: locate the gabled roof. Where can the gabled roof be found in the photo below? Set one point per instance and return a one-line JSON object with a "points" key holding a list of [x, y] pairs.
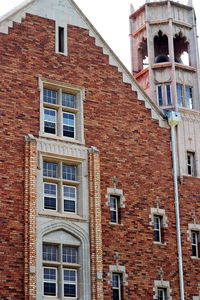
{"points": [[67, 11]]}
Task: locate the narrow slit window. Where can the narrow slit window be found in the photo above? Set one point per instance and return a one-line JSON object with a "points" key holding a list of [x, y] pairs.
{"points": [[160, 96], [61, 35], [168, 93], [191, 163]]}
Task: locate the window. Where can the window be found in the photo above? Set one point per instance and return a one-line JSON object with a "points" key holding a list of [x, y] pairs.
{"points": [[184, 95], [195, 243], [114, 209], [61, 107], [57, 104], [60, 267], [158, 236], [164, 95], [61, 47], [191, 163], [116, 286], [188, 97], [60, 186], [160, 96], [168, 95], [162, 290], [162, 293]]}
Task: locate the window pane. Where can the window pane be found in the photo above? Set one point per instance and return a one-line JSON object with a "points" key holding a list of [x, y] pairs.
{"points": [[50, 96], [70, 283], [50, 169], [50, 196], [160, 98], [113, 216], [116, 294], [49, 282], [61, 40], [69, 290], [70, 255], [49, 289], [49, 121], [69, 199], [69, 172], [188, 96], [68, 100], [179, 90], [115, 280], [162, 293], [168, 92], [69, 125], [50, 252]]}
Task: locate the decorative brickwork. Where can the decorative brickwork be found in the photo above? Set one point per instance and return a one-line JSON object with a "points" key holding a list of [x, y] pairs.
{"points": [[30, 217], [95, 224]]}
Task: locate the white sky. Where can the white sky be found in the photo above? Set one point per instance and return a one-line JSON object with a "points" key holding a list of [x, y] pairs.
{"points": [[111, 19]]}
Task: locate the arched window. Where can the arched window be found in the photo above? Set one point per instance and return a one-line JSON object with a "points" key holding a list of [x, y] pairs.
{"points": [[181, 49], [161, 48]]}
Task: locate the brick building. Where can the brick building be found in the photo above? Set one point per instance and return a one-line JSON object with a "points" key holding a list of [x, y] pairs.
{"points": [[89, 186]]}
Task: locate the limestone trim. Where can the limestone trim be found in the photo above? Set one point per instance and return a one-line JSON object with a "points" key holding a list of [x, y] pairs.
{"points": [[30, 217], [116, 192], [162, 284], [158, 212], [69, 11], [120, 270], [95, 225], [192, 227], [76, 231], [61, 148]]}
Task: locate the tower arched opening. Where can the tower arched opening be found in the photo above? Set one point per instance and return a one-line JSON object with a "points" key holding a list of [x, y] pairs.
{"points": [[161, 48]]}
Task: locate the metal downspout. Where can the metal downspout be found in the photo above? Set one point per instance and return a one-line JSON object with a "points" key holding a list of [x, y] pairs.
{"points": [[174, 119]]}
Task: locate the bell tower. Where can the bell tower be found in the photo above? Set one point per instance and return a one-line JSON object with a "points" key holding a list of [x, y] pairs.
{"points": [[165, 56]]}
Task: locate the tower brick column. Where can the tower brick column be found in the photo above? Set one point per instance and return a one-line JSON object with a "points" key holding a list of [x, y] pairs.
{"points": [[95, 225], [30, 217]]}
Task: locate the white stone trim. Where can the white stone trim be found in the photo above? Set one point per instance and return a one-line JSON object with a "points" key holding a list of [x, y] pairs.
{"points": [[162, 284], [67, 12], [80, 233], [120, 270], [115, 192], [192, 227], [158, 212]]}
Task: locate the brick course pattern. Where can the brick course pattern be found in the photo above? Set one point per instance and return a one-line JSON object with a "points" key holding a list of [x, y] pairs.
{"points": [[30, 218], [132, 146], [95, 224]]}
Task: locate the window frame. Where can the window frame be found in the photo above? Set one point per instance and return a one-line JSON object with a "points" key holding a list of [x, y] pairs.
{"points": [[52, 183], [163, 88], [196, 244], [184, 94], [119, 288], [56, 122], [56, 282], [76, 283], [191, 155], [164, 290], [63, 88], [61, 183], [115, 210], [159, 230]]}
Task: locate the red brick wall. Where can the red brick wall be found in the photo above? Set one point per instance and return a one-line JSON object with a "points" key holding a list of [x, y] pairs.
{"points": [[132, 147]]}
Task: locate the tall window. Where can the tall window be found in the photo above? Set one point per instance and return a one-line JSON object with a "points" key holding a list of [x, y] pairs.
{"points": [[60, 186], [195, 243], [160, 96], [114, 209], [184, 95], [158, 234], [191, 163], [60, 267], [168, 95], [60, 113], [116, 286]]}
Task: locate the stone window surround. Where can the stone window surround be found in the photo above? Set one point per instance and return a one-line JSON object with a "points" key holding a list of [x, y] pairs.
{"points": [[64, 26], [118, 270], [158, 212], [119, 193], [76, 231], [80, 97], [115, 192], [193, 227], [162, 284], [58, 151]]}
